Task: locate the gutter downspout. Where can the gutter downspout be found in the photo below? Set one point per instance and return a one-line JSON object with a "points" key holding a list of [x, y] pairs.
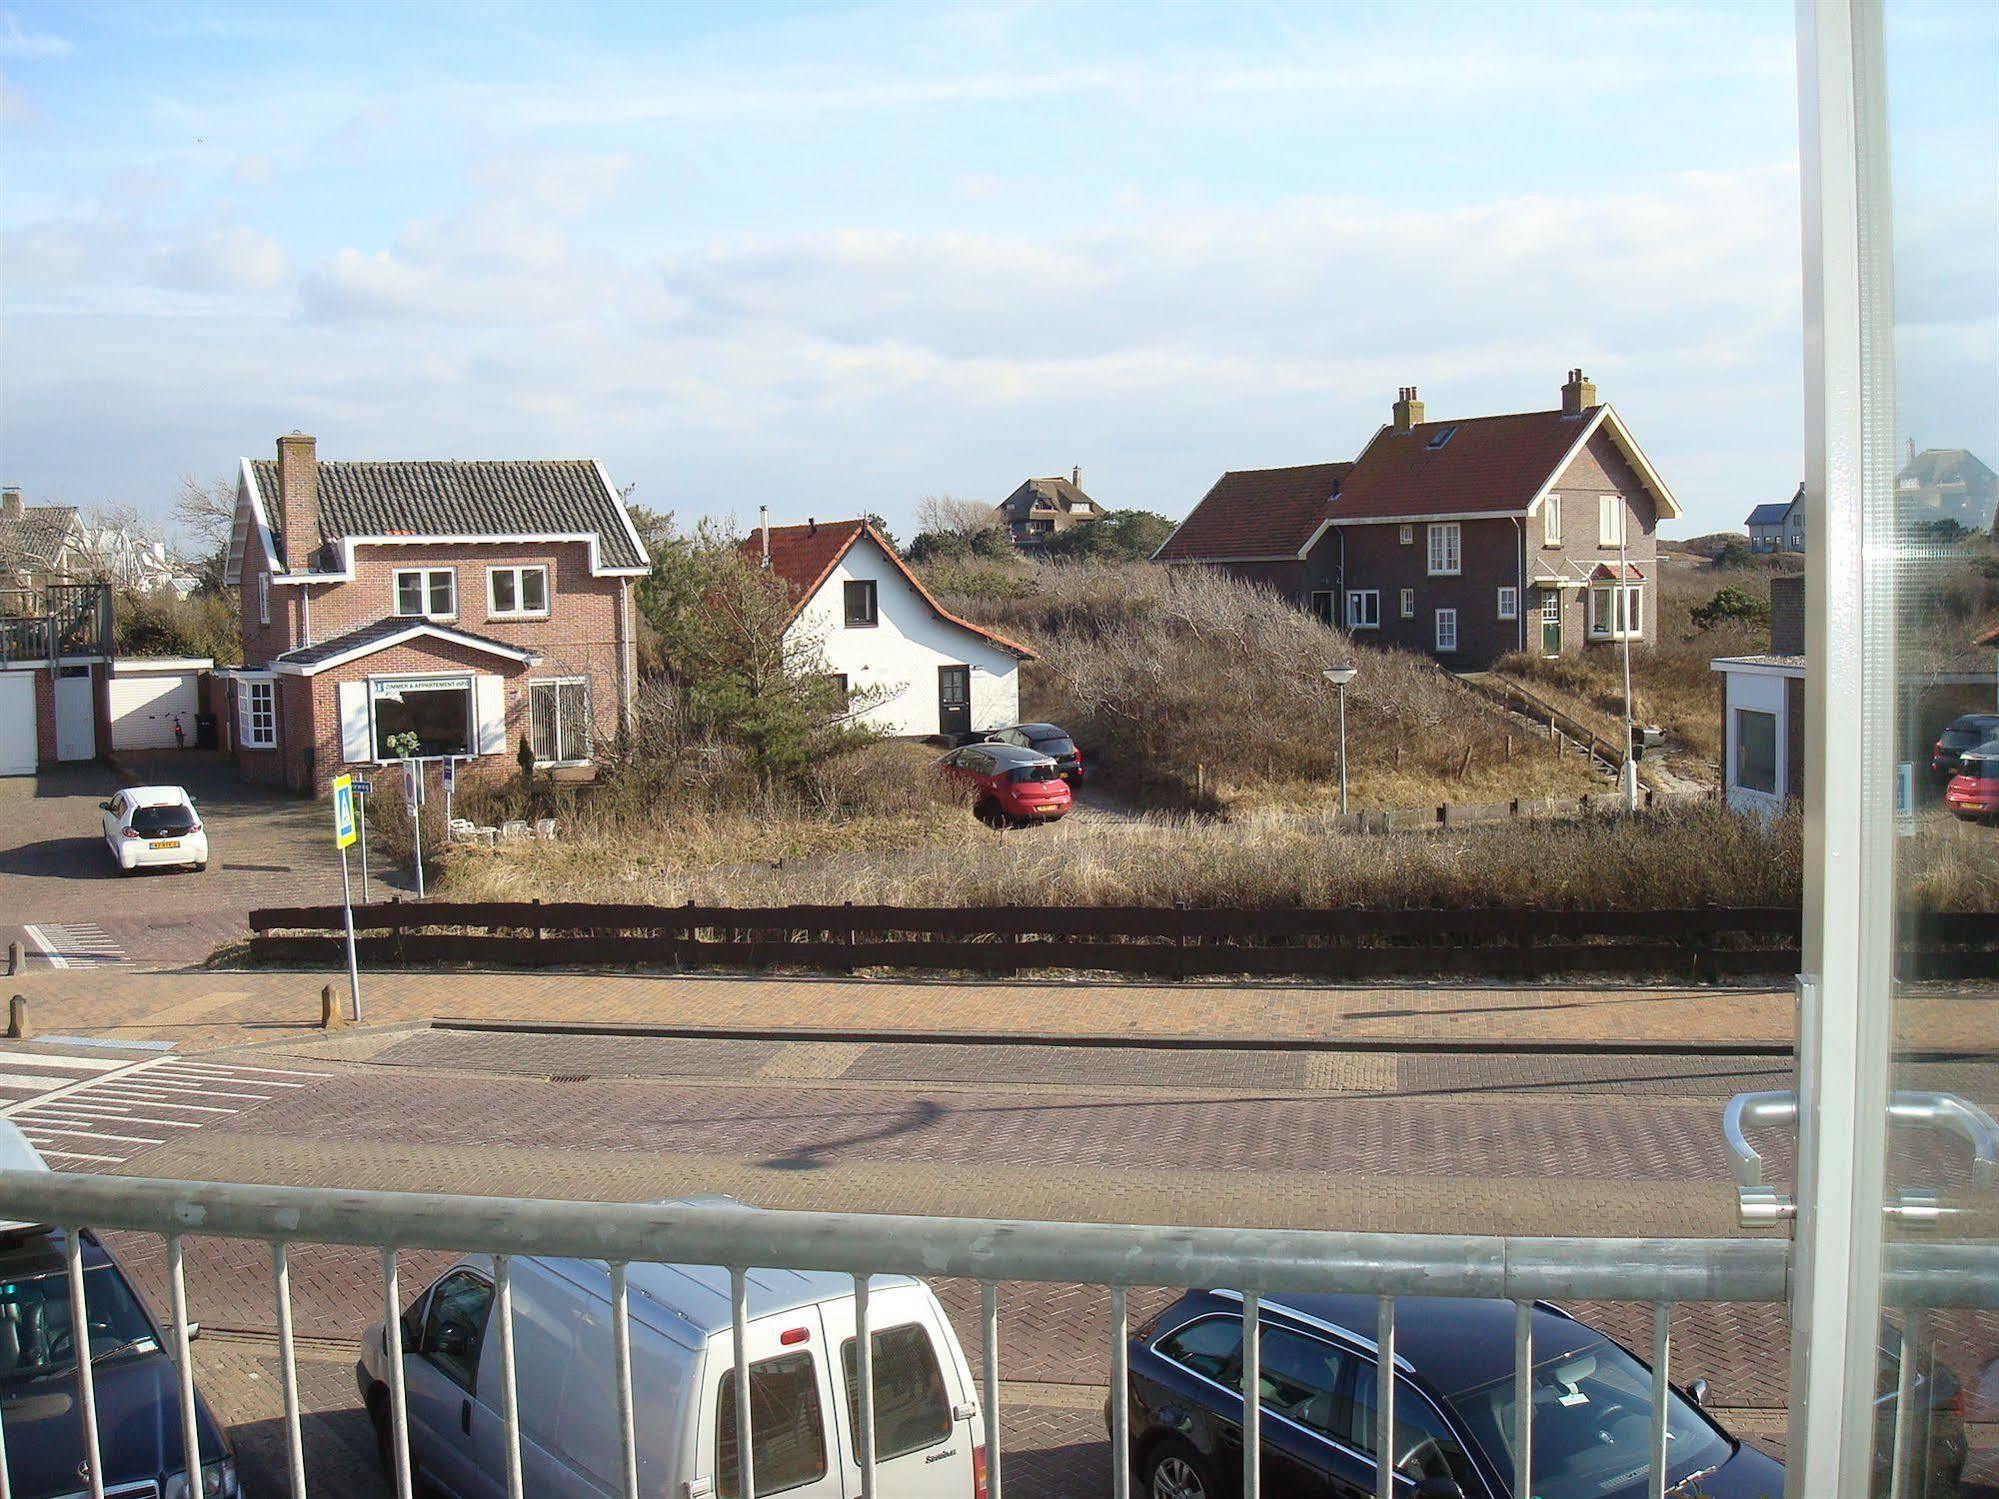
{"points": [[1520, 584], [1340, 598], [627, 660]]}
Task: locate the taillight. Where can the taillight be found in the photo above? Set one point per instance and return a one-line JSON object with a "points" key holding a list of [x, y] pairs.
{"points": [[131, 832], [979, 1472], [195, 829]]}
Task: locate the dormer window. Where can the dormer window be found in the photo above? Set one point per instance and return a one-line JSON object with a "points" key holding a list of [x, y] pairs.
{"points": [[427, 592]]}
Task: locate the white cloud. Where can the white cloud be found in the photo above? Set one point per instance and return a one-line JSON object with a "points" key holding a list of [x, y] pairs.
{"points": [[15, 107], [14, 42], [227, 259]]}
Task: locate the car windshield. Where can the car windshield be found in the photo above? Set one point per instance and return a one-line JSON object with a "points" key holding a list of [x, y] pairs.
{"points": [[1061, 744], [35, 1334], [1592, 1426], [170, 820], [1030, 773]]}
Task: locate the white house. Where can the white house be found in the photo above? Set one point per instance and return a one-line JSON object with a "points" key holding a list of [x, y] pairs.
{"points": [[1763, 710], [916, 668]]}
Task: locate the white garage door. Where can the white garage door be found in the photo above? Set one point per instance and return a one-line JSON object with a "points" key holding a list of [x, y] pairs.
{"points": [[146, 705], [17, 723]]}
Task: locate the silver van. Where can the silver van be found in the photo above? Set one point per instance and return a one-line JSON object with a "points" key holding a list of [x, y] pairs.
{"points": [[928, 1436]]}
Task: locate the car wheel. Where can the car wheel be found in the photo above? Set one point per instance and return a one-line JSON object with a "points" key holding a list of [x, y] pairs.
{"points": [[1174, 1470], [202, 867], [988, 812]]}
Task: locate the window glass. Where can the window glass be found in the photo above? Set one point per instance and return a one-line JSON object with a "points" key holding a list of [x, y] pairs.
{"points": [[1408, 603], [454, 1324], [1026, 775], [534, 589], [168, 822], [438, 716], [911, 1408], [1592, 1425], [262, 730], [409, 593], [1756, 750], [1444, 555], [1447, 629], [860, 599], [787, 1427], [1424, 1445], [1509, 603], [1298, 1378], [559, 720], [1208, 1346], [1322, 605], [443, 592], [1551, 520], [506, 596], [35, 1329]]}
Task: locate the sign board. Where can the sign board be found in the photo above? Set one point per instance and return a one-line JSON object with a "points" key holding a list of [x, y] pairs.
{"points": [[450, 771], [343, 812], [412, 785], [361, 787]]}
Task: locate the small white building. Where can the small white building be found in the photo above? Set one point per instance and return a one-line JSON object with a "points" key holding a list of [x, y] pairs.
{"points": [[916, 668]]}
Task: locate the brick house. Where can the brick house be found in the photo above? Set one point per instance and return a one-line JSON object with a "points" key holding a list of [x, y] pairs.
{"points": [[1042, 507], [1466, 538], [471, 605]]}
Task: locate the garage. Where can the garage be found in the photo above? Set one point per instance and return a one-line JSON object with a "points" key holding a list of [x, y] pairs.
{"points": [[17, 723], [148, 697]]}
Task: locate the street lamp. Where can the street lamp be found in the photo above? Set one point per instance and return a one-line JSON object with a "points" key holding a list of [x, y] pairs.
{"points": [[1339, 676]]}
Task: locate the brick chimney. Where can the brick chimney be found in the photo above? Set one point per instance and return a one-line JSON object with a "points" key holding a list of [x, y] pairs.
{"points": [[1076, 476], [1578, 395], [1408, 410], [12, 506], [1787, 614], [298, 500]]}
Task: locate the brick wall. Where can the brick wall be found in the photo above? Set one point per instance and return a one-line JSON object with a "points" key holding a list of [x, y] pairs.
{"points": [[1794, 749], [1599, 469], [1787, 614], [45, 716], [1377, 558]]}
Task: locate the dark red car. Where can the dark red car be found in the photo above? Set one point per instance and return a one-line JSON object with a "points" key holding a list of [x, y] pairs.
{"points": [[1974, 791], [1013, 784]]}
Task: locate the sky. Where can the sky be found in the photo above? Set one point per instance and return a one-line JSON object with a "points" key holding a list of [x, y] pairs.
{"points": [[829, 258]]}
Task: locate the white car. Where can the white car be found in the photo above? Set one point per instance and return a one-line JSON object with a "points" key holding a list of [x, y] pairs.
{"points": [[147, 825]]}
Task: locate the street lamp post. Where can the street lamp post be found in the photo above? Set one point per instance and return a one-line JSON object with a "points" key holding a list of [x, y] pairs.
{"points": [[1339, 676]]}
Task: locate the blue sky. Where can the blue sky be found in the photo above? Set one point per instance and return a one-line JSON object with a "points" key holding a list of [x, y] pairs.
{"points": [[834, 257]]}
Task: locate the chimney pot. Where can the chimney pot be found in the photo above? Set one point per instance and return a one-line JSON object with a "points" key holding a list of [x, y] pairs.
{"points": [[1408, 410], [1578, 394]]}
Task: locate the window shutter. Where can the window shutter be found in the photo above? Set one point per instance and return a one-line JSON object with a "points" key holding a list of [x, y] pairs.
{"points": [[357, 739], [490, 700]]}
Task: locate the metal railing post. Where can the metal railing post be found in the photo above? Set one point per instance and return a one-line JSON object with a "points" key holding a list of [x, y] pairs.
{"points": [[281, 1283], [510, 1394], [989, 1366], [1662, 1394], [739, 1317], [392, 1349], [79, 1338], [190, 1430], [1252, 1395], [1120, 1396], [1523, 1397], [864, 1387], [621, 1373], [1384, 1399]]}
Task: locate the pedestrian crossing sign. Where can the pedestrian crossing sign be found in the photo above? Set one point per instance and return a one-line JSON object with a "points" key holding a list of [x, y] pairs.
{"points": [[344, 832]]}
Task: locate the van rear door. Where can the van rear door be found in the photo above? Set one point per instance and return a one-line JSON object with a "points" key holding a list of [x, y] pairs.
{"points": [[791, 1412], [926, 1418]]}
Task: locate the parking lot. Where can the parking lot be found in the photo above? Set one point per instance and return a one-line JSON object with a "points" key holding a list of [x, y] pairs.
{"points": [[62, 897]]}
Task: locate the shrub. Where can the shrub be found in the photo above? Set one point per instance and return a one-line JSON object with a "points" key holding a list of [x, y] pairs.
{"points": [[1731, 603], [163, 624]]}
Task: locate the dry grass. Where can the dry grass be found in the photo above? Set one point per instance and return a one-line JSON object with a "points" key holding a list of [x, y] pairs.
{"points": [[1190, 689]]}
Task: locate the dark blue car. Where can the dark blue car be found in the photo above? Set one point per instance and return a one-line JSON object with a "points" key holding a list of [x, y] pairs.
{"points": [[1453, 1407]]}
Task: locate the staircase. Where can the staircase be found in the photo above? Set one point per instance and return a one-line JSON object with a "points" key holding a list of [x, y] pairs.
{"points": [[1544, 718]]}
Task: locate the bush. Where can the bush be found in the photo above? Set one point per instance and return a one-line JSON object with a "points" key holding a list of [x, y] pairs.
{"points": [[1119, 536], [1732, 603], [163, 624]]}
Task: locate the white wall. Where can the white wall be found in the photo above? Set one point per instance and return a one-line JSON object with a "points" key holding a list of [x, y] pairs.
{"points": [[1762, 692], [903, 650]]}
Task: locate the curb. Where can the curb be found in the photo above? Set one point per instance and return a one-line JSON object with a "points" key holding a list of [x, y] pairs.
{"points": [[1104, 1041]]}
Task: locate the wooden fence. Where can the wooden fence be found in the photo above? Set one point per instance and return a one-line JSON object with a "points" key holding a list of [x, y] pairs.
{"points": [[1702, 944]]}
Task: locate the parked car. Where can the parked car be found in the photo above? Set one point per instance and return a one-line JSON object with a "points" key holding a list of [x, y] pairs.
{"points": [[803, 1384], [1973, 793], [1013, 785], [1453, 1405], [1047, 739], [1967, 732], [138, 1389], [151, 825]]}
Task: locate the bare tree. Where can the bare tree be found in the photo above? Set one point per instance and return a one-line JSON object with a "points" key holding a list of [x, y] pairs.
{"points": [[205, 511], [954, 515]]}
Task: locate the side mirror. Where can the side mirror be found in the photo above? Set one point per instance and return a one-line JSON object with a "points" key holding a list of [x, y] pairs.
{"points": [[1697, 1392], [1437, 1486], [104, 806]]}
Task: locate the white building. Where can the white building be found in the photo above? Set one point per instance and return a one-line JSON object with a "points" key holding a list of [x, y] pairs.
{"points": [[913, 667]]}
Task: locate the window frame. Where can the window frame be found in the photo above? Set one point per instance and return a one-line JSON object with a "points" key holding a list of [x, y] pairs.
{"points": [[248, 720], [1446, 549], [425, 577], [263, 598], [1509, 601], [1328, 611], [1437, 632], [1735, 759], [589, 722], [1407, 536], [1406, 605], [845, 1372], [871, 591], [1622, 625], [1551, 521], [518, 571], [1367, 616], [726, 1428], [1612, 532], [440, 681], [424, 1327]]}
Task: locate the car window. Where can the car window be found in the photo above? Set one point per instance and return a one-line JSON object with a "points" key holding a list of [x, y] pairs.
{"points": [[1057, 745], [35, 1331], [1209, 1346], [1298, 1378], [1592, 1425], [979, 762], [1424, 1445], [787, 1427], [168, 821], [454, 1325], [1028, 774], [911, 1408]]}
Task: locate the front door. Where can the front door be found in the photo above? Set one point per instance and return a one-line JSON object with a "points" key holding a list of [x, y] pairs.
{"points": [[954, 700], [76, 715], [1551, 622]]}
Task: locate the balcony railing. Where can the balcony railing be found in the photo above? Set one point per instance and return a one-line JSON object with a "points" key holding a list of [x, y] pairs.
{"points": [[1255, 1262], [54, 620]]}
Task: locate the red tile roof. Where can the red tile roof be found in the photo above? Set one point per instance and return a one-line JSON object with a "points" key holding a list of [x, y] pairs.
{"points": [[1488, 465], [1606, 572], [805, 556], [1256, 512]]}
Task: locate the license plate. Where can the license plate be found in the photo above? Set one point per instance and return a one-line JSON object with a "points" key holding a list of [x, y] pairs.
{"points": [[169, 843]]}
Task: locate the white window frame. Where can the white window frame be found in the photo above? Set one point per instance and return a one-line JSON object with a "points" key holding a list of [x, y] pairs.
{"points": [[263, 598], [1446, 617], [1408, 536], [426, 681], [1446, 547], [268, 738], [1408, 603], [1610, 520], [1551, 521], [1627, 612], [424, 575], [1509, 602], [1363, 609], [518, 572], [589, 729]]}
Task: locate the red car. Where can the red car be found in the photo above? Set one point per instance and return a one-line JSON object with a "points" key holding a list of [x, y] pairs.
{"points": [[1014, 784], [1974, 791]]}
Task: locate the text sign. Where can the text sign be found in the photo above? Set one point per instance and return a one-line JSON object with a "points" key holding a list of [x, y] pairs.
{"points": [[450, 772], [361, 787], [344, 832]]}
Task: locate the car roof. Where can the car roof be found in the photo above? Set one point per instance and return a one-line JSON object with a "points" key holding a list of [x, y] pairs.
{"points": [[156, 796], [1974, 720], [1989, 750], [1451, 1344], [1014, 754], [17, 1153], [1042, 730]]}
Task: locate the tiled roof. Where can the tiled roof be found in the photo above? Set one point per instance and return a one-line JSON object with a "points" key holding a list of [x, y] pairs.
{"points": [[525, 498], [1483, 465], [1787, 663], [39, 534], [1257, 512], [805, 556], [360, 641], [1769, 515], [1606, 572]]}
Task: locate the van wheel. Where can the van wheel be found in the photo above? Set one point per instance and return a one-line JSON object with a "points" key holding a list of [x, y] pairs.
{"points": [[1174, 1470]]}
